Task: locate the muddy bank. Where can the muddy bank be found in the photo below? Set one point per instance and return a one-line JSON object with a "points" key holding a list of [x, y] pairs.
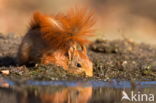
{"points": [[123, 59], [119, 59]]}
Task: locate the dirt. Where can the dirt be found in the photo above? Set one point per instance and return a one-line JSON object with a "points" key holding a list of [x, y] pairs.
{"points": [[123, 59], [117, 59]]}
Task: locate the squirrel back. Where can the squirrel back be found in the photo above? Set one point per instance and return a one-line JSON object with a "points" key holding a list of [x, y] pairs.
{"points": [[59, 39]]}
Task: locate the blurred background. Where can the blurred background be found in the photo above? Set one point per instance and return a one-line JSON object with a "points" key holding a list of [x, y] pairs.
{"points": [[116, 19]]}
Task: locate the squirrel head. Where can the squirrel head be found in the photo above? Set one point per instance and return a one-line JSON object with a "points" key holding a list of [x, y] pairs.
{"points": [[74, 59], [79, 62]]}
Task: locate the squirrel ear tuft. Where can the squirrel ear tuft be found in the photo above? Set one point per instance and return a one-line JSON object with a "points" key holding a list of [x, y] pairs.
{"points": [[84, 49], [70, 53]]}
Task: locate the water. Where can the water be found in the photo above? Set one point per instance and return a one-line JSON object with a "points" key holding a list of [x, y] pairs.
{"points": [[75, 91]]}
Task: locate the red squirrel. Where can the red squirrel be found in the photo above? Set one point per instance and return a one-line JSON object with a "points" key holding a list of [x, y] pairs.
{"points": [[59, 39], [68, 95]]}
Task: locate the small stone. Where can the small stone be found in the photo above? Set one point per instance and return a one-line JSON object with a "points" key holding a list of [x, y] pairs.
{"points": [[124, 63], [5, 72]]}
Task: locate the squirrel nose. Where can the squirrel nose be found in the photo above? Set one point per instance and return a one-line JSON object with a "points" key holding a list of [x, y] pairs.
{"points": [[89, 72]]}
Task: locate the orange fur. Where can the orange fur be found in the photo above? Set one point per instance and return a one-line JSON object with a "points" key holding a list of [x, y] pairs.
{"points": [[59, 39], [75, 26], [68, 95]]}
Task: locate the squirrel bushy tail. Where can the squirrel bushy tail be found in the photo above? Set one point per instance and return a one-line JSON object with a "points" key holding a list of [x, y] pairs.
{"points": [[62, 29]]}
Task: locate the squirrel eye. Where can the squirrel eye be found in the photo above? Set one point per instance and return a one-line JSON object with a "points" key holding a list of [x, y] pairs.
{"points": [[78, 65]]}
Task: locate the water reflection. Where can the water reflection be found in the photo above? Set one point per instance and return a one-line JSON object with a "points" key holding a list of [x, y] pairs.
{"points": [[68, 95], [46, 95], [71, 92]]}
